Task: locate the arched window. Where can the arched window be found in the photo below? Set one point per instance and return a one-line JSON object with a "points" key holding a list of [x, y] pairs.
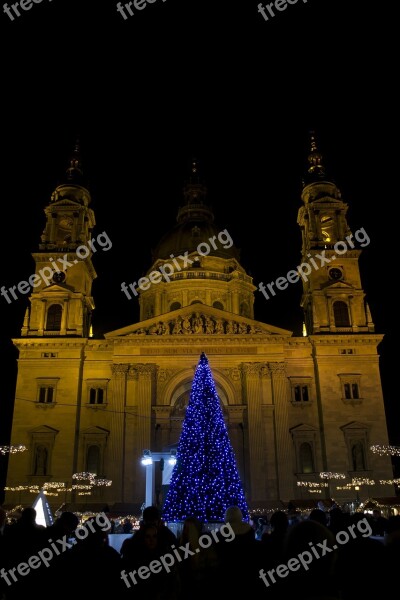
{"points": [[244, 309], [196, 302], [175, 306], [41, 460], [358, 456], [218, 305], [93, 460], [54, 314], [306, 458], [341, 314]]}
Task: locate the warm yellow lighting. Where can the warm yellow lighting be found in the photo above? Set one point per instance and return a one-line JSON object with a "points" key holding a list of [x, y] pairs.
{"points": [[304, 330], [91, 331]]}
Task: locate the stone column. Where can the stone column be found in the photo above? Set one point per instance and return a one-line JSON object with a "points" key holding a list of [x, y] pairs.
{"points": [[283, 440], [270, 441], [116, 449], [142, 387], [239, 440], [252, 394]]}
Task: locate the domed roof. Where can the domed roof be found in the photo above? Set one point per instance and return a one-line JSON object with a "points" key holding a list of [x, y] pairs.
{"points": [[195, 227]]}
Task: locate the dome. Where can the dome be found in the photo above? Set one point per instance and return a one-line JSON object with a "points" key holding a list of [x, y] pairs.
{"points": [[196, 228]]}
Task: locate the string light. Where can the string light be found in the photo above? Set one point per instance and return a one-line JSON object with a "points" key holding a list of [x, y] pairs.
{"points": [[79, 486], [390, 481], [330, 475], [362, 481], [205, 480], [385, 450], [103, 482], [84, 475], [53, 484], [12, 449], [312, 484], [84, 493], [22, 488]]}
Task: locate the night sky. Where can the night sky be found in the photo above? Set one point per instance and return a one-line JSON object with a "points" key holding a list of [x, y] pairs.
{"points": [[185, 78]]}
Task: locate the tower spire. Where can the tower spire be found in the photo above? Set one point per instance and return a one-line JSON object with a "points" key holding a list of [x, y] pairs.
{"points": [[316, 168], [74, 171]]}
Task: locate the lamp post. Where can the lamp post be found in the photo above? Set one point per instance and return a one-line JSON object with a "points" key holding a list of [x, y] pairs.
{"points": [[357, 488]]}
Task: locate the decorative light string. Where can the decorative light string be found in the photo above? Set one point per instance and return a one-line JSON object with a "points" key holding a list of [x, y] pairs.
{"points": [[330, 475], [312, 484], [12, 449], [385, 450]]}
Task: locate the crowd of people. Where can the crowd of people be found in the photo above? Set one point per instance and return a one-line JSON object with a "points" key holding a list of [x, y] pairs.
{"points": [[202, 562]]}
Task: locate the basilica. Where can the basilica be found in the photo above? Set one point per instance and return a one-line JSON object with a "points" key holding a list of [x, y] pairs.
{"points": [[301, 412]]}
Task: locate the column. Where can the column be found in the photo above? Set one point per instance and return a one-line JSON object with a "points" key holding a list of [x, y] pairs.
{"points": [[252, 393], [144, 377], [239, 440], [116, 450], [283, 440], [271, 472]]}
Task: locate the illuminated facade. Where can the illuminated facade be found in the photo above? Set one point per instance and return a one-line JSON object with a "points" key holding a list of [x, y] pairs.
{"points": [[294, 406]]}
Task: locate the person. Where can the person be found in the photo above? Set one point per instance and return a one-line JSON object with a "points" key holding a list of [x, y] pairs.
{"points": [[151, 516], [127, 526], [378, 523]]}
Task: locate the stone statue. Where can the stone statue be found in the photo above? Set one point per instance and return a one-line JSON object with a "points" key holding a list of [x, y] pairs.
{"points": [[197, 323]]}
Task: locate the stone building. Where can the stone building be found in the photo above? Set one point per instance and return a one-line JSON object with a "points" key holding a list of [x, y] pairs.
{"points": [[294, 406]]}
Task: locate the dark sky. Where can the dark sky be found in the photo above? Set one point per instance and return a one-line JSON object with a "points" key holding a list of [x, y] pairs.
{"points": [[211, 79]]}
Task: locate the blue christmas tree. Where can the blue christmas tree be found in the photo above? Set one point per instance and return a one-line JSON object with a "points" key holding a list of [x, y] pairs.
{"points": [[205, 479]]}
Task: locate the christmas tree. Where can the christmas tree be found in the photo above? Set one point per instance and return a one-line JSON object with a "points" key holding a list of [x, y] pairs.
{"points": [[205, 480]]}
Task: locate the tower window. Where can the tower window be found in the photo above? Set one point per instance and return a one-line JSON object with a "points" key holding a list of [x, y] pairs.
{"points": [[244, 309], [96, 396], [53, 322], [358, 456], [306, 458], [46, 394], [93, 460], [351, 387], [175, 306], [341, 314]]}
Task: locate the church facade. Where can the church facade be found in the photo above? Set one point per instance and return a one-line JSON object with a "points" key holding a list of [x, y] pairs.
{"points": [[294, 406]]}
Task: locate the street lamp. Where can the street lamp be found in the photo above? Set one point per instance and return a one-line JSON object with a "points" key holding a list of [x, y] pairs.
{"points": [[357, 488], [146, 458]]}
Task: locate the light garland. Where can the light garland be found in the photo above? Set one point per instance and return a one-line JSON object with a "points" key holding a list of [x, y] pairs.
{"points": [[385, 450], [22, 488], [84, 493], [330, 475], [362, 481], [53, 484], [79, 486], [84, 475], [12, 449], [103, 482], [50, 493], [312, 484], [315, 491], [390, 481]]}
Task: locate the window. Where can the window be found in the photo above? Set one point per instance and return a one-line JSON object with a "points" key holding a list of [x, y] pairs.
{"points": [[49, 354], [175, 306], [96, 390], [347, 351], [351, 391], [300, 390], [305, 440], [356, 436], [306, 458], [218, 305], [341, 314], [350, 383], [54, 314], [46, 391], [93, 460], [301, 393], [358, 456], [244, 309], [96, 396], [41, 460], [46, 394]]}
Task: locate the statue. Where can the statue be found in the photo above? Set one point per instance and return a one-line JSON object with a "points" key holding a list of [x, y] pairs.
{"points": [[186, 326], [197, 323]]}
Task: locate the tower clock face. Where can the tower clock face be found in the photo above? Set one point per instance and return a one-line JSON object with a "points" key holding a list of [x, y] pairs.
{"points": [[66, 223], [59, 277], [335, 273]]}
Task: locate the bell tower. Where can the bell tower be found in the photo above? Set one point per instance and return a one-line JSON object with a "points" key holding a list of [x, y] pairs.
{"points": [[61, 303], [333, 299]]}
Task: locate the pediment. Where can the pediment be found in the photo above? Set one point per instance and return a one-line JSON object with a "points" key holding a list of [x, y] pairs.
{"points": [[337, 285], [95, 430], [303, 427], [44, 429], [198, 319], [356, 425]]}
